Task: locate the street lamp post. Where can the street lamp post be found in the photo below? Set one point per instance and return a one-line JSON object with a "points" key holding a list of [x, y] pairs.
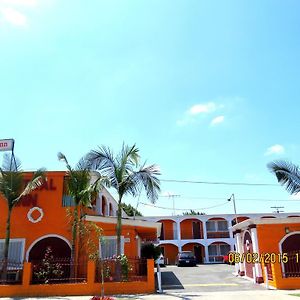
{"points": [[233, 200]]}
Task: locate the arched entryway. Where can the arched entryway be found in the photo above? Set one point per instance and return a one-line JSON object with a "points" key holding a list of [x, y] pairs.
{"points": [[291, 246], [59, 248], [217, 250], [248, 248], [169, 252], [53, 251], [197, 249]]}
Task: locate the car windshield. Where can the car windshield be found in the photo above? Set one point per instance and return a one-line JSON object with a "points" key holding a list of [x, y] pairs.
{"points": [[186, 255]]}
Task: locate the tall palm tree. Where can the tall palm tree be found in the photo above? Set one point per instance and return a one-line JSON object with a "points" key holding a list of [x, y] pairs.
{"points": [[287, 174], [83, 189], [12, 189], [126, 175]]}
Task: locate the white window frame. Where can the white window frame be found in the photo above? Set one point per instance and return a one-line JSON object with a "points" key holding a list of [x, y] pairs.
{"points": [[111, 237], [22, 240], [216, 226]]}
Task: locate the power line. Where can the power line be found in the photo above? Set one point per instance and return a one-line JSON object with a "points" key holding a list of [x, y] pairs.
{"points": [[239, 199], [219, 182], [183, 209]]}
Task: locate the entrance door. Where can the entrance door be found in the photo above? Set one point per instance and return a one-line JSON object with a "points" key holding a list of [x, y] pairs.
{"points": [[196, 230], [198, 254]]}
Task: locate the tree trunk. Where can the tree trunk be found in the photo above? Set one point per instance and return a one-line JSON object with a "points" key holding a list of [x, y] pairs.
{"points": [[119, 228], [73, 248], [6, 245], [119, 231]]}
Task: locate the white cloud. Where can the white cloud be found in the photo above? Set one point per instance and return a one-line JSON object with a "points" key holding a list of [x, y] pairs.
{"points": [[198, 109], [202, 108], [275, 149], [217, 120], [14, 17]]}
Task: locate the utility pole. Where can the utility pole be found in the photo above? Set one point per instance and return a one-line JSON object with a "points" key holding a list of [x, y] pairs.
{"points": [[234, 207], [173, 196], [277, 209]]}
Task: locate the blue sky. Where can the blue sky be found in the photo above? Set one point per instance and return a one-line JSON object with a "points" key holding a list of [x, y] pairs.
{"points": [[206, 89]]}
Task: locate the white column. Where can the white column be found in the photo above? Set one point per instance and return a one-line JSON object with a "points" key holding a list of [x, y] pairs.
{"points": [[204, 229], [206, 254], [257, 266], [178, 236], [240, 250]]}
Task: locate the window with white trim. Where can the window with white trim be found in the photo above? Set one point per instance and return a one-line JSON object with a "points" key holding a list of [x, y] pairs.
{"points": [[108, 246], [15, 250], [215, 226]]}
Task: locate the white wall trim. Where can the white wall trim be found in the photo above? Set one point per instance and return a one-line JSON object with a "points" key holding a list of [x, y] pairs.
{"points": [[44, 237]]}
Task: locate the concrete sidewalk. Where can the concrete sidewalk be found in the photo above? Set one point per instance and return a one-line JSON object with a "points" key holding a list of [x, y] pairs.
{"points": [[245, 295]]}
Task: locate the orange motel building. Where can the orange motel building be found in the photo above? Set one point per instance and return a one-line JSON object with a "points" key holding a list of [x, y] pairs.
{"points": [[40, 220], [209, 237], [268, 250]]}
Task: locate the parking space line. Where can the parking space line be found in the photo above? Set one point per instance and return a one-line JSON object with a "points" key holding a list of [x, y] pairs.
{"points": [[199, 284]]}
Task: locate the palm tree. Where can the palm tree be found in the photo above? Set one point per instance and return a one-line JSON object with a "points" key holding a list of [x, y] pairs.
{"points": [[127, 177], [12, 190], [83, 189], [287, 174]]}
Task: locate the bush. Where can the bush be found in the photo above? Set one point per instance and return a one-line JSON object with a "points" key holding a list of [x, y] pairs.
{"points": [[150, 251]]}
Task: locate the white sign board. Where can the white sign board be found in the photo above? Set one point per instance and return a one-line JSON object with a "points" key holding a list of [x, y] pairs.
{"points": [[7, 145]]}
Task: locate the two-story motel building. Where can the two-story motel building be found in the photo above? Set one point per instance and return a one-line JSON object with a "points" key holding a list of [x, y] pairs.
{"points": [[209, 236]]}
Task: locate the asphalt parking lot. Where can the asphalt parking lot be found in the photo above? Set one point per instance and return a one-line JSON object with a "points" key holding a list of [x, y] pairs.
{"points": [[205, 278]]}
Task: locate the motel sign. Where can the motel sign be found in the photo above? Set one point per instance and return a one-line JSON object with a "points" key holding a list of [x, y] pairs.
{"points": [[7, 145]]}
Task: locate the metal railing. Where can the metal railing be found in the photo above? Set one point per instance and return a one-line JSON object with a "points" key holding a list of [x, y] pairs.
{"points": [[292, 267], [217, 234], [58, 271], [113, 270], [13, 273]]}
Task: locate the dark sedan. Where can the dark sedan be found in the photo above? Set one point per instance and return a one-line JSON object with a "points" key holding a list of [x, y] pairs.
{"points": [[186, 258]]}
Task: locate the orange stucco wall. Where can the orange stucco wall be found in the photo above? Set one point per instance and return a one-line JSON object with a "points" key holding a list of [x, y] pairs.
{"points": [[170, 252], [186, 229], [269, 237], [168, 229], [55, 220]]}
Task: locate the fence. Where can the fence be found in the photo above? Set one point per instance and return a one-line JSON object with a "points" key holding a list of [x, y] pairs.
{"points": [[131, 269], [292, 267], [89, 287], [56, 271], [14, 272]]}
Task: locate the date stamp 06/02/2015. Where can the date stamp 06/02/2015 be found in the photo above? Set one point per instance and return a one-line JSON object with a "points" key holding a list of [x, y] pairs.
{"points": [[266, 258]]}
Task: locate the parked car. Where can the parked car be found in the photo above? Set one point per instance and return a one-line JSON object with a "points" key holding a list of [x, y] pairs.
{"points": [[160, 260], [186, 258]]}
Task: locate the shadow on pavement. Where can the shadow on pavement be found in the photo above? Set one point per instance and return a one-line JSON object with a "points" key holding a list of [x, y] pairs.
{"points": [[170, 281]]}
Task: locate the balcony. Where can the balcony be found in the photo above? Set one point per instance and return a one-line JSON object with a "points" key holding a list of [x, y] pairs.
{"points": [[218, 234]]}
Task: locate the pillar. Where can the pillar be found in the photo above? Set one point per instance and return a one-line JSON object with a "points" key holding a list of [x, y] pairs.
{"points": [[240, 250], [258, 271]]}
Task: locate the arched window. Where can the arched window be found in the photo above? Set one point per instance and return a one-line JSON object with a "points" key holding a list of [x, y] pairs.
{"points": [[104, 206], [111, 212]]}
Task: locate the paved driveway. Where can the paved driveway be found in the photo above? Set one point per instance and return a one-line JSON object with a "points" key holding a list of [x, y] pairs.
{"points": [[204, 278]]}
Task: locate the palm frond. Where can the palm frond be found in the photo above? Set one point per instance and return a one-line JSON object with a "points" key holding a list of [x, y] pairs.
{"points": [[287, 174], [146, 177], [36, 181], [103, 160]]}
